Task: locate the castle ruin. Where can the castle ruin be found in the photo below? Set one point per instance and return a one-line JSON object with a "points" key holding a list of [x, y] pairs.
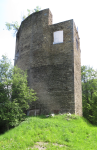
{"points": [[51, 55]]}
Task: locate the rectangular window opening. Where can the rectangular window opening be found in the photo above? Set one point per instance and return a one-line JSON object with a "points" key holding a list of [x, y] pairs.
{"points": [[17, 55], [58, 37]]}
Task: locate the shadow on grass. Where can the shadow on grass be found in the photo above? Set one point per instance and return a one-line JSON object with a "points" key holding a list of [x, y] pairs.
{"points": [[88, 122]]}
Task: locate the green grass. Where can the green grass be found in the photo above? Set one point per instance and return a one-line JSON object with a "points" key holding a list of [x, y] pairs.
{"points": [[61, 132]]}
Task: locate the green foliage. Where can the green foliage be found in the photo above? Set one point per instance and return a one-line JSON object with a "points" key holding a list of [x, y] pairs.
{"points": [[57, 133], [15, 25], [89, 93], [15, 95], [5, 68], [37, 9], [12, 26]]}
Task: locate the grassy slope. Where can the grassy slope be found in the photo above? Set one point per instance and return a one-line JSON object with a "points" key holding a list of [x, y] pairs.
{"points": [[69, 132]]}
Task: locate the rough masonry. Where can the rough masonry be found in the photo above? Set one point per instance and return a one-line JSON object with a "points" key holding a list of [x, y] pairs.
{"points": [[52, 60]]}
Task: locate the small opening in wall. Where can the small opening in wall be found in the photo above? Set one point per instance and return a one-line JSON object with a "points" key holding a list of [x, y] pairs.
{"points": [[17, 55], [58, 37], [77, 44]]}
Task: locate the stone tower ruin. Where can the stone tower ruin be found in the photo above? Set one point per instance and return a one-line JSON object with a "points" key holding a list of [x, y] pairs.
{"points": [[51, 55]]}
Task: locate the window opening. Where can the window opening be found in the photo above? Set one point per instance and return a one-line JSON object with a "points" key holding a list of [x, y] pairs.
{"points": [[17, 55], [77, 44], [58, 37]]}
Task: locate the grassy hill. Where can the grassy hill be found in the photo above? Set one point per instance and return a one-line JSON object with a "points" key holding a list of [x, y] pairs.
{"points": [[61, 132]]}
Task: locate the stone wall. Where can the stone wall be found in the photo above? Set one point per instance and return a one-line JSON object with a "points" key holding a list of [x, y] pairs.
{"points": [[77, 73], [54, 70]]}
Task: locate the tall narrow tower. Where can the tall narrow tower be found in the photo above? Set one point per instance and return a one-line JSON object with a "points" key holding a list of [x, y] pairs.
{"points": [[51, 55]]}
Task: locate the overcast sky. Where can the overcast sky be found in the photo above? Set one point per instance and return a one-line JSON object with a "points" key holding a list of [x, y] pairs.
{"points": [[84, 13]]}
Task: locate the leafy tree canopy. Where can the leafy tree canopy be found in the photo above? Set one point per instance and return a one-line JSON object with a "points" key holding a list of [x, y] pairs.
{"points": [[15, 95], [89, 93]]}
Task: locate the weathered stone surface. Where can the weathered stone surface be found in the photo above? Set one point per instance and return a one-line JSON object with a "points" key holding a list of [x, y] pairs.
{"points": [[54, 70]]}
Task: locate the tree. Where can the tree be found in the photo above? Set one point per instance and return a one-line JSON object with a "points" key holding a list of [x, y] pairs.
{"points": [[89, 93], [15, 95], [15, 25]]}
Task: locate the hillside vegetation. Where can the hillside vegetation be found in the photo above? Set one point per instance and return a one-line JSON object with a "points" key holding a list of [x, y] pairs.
{"points": [[61, 132]]}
